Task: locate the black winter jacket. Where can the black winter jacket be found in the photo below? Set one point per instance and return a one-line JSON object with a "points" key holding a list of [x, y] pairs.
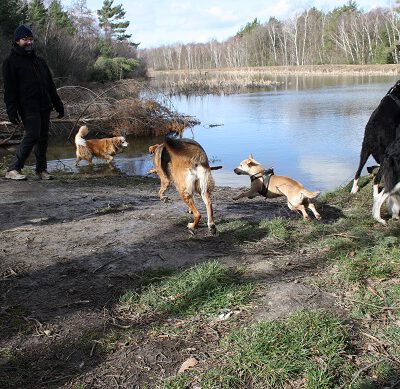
{"points": [[28, 84]]}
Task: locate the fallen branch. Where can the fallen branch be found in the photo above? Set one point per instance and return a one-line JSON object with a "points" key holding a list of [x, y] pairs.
{"points": [[12, 134], [87, 107], [106, 264]]}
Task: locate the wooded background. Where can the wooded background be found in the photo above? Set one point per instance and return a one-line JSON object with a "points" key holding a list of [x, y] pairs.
{"points": [[76, 45], [80, 47], [346, 35]]}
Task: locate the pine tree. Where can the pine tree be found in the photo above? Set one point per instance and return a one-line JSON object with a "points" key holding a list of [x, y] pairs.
{"points": [[37, 13], [60, 17], [12, 14], [111, 21], [250, 26]]}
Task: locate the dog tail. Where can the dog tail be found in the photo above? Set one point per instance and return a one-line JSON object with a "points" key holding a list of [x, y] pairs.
{"points": [[79, 137], [83, 131], [310, 195], [205, 180]]}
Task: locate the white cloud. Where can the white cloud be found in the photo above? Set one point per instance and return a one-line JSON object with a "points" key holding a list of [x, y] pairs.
{"points": [[223, 15], [155, 22], [279, 10]]}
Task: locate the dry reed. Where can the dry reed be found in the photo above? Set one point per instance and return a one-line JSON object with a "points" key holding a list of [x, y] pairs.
{"points": [[235, 80]]}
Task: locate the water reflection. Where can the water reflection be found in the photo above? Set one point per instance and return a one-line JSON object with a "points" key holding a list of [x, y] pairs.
{"points": [[310, 128]]}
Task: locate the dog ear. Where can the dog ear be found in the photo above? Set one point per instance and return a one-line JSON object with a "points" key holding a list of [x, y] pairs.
{"points": [[373, 169], [250, 156]]}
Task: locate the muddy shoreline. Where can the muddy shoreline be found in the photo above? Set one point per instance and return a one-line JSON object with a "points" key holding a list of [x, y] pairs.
{"points": [[70, 247]]}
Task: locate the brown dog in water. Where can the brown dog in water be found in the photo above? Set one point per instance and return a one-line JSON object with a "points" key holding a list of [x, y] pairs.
{"points": [[265, 183], [185, 163], [104, 148]]}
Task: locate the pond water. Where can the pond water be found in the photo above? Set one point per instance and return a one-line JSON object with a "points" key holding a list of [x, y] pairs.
{"points": [[310, 129]]}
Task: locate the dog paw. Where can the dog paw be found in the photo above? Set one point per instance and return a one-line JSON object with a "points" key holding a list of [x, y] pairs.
{"points": [[192, 231], [212, 229], [318, 217], [354, 189], [382, 221], [164, 199]]}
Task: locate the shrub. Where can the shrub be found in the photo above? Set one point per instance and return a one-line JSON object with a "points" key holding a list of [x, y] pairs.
{"points": [[112, 69]]}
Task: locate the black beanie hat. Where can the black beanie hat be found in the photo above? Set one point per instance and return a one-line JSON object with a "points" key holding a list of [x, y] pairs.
{"points": [[21, 32]]}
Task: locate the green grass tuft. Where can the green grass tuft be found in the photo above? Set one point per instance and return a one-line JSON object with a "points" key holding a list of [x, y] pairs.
{"points": [[306, 350], [203, 289], [377, 262], [241, 230], [276, 228]]}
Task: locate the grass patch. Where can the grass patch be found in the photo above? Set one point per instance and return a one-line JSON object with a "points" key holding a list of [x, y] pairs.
{"points": [[378, 262], [377, 302], [306, 350], [182, 221], [277, 228], [18, 320], [379, 310], [204, 289], [241, 230], [113, 209], [104, 342]]}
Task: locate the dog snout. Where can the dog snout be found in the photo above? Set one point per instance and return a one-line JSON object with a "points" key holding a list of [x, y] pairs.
{"points": [[125, 144], [239, 171]]}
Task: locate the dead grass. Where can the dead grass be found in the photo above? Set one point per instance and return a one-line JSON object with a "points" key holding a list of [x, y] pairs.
{"points": [[236, 80], [305, 70]]}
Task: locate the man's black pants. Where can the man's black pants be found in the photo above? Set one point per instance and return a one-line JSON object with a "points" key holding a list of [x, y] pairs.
{"points": [[36, 137]]}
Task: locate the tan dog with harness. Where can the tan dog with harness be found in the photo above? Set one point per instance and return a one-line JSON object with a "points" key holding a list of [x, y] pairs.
{"points": [[265, 183]]}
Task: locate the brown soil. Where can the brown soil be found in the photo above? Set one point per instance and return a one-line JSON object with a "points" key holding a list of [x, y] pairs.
{"points": [[69, 248]]}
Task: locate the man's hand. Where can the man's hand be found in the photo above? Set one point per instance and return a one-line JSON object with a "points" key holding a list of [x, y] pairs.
{"points": [[14, 119]]}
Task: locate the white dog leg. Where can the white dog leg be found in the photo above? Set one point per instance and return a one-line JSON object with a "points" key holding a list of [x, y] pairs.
{"points": [[393, 206], [379, 199], [375, 190], [355, 188]]}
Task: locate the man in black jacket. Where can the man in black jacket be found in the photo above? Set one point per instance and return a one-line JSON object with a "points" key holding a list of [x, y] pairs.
{"points": [[29, 94]]}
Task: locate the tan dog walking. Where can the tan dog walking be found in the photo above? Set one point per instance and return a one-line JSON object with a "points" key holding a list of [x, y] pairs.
{"points": [[265, 183], [185, 163]]}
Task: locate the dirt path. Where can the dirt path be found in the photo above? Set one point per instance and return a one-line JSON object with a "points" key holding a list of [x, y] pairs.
{"points": [[69, 248]]}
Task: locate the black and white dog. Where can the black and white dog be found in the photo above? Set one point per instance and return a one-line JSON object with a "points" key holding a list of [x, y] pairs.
{"points": [[380, 131], [390, 172]]}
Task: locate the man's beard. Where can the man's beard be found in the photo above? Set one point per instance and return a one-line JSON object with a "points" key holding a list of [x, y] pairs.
{"points": [[28, 48]]}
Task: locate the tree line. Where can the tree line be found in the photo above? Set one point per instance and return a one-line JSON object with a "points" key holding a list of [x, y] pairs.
{"points": [[76, 46], [345, 35]]}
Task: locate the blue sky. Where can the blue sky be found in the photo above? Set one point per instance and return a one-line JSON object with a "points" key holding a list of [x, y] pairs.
{"points": [[158, 22]]}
